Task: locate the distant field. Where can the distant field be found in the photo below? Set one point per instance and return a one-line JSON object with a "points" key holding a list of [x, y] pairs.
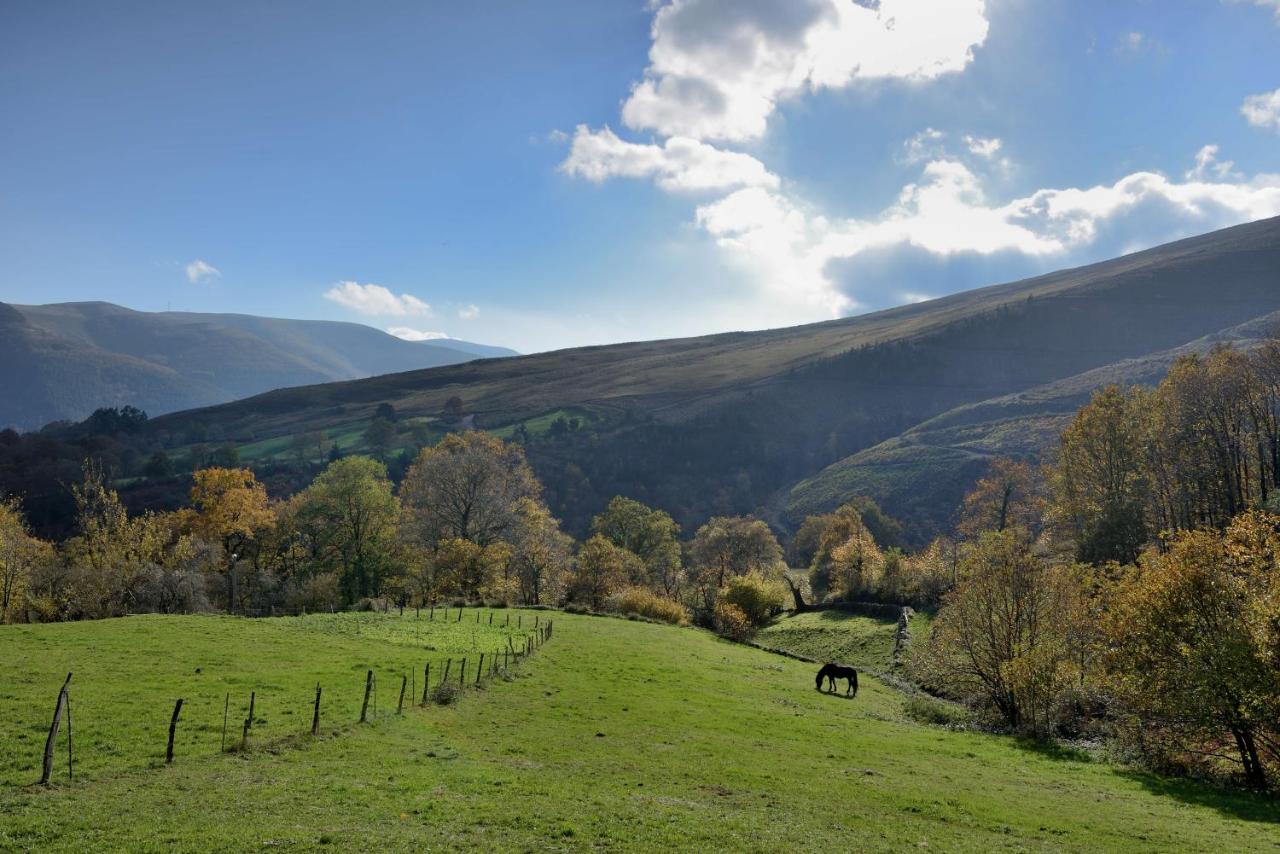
{"points": [[616, 735], [129, 672], [862, 641]]}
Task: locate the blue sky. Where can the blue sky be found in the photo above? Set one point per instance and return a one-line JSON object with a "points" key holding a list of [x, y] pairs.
{"points": [[542, 174]]}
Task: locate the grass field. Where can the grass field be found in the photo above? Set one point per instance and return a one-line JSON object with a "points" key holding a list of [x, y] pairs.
{"points": [[129, 672], [862, 641], [622, 734]]}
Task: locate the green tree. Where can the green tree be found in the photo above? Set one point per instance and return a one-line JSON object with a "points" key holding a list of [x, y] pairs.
{"points": [[352, 513], [652, 535], [601, 568]]}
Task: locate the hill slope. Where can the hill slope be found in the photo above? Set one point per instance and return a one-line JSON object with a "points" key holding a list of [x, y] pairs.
{"points": [[921, 475], [615, 735], [725, 423], [62, 361]]}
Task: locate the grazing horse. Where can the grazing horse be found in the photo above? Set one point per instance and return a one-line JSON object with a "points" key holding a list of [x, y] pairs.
{"points": [[832, 672]]}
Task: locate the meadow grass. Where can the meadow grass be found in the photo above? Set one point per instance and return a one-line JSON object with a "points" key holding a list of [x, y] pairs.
{"points": [[628, 735], [128, 673], [856, 639]]}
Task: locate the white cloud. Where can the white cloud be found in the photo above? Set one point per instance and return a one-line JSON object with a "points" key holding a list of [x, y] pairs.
{"points": [[987, 148], [415, 334], [947, 213], [375, 300], [718, 68], [925, 145], [1263, 110], [201, 271], [678, 165], [1209, 166], [469, 312]]}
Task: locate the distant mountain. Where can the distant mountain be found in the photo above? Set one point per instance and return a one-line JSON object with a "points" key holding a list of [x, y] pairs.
{"points": [[747, 422], [64, 360]]}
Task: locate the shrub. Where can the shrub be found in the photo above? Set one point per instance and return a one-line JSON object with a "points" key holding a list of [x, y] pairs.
{"points": [[731, 622], [641, 602], [446, 694], [756, 597], [928, 710], [318, 593]]}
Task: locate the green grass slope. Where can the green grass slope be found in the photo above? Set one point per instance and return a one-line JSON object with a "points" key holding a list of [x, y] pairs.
{"points": [[128, 673], [626, 735], [833, 635]]}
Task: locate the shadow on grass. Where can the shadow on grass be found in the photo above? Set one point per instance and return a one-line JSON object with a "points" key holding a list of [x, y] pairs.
{"points": [[1246, 806]]}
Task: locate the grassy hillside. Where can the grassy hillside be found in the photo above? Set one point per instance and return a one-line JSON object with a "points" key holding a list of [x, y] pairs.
{"points": [[848, 638], [128, 673], [921, 475], [64, 360], [752, 414], [630, 735]]}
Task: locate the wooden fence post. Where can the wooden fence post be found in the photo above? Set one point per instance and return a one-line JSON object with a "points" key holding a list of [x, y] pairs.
{"points": [[253, 695], [480, 669], [519, 620], [226, 707], [508, 622], [432, 614], [445, 677], [71, 774], [426, 682], [462, 674], [315, 716], [404, 683], [53, 732], [368, 689], [173, 728], [536, 619], [491, 618], [477, 616]]}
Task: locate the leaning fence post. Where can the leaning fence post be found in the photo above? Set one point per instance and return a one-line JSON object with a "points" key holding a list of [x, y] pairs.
{"points": [[368, 689], [253, 695], [71, 774], [536, 620], [315, 716], [462, 673], [404, 683], [53, 732], [173, 728], [480, 669], [426, 682], [459, 613], [226, 707], [445, 677]]}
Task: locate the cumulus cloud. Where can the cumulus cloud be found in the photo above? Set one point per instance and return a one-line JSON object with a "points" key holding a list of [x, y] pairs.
{"points": [[1263, 110], [201, 271], [678, 165], [375, 300], [718, 68], [409, 334], [469, 312], [925, 145], [1209, 166], [981, 147], [947, 213]]}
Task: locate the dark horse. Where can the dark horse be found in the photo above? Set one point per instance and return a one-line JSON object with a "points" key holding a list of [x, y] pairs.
{"points": [[832, 672]]}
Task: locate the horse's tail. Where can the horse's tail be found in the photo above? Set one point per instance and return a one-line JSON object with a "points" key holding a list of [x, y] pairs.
{"points": [[854, 680]]}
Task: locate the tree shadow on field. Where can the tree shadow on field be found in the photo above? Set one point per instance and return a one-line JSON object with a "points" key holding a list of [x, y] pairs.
{"points": [[1237, 803], [1053, 750]]}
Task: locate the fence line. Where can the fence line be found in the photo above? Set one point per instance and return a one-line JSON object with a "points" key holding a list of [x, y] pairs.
{"points": [[533, 641]]}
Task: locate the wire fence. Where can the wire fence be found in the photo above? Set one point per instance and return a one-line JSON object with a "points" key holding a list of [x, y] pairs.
{"points": [[443, 682]]}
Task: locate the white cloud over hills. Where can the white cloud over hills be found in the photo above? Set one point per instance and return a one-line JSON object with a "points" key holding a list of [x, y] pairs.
{"points": [[375, 300]]}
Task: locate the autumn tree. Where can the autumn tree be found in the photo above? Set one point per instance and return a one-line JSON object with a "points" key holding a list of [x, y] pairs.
{"points": [[231, 509], [20, 556], [600, 569], [652, 535], [1099, 483], [468, 567], [1007, 638], [1191, 643], [1007, 497], [847, 554], [467, 488], [541, 553], [733, 545]]}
